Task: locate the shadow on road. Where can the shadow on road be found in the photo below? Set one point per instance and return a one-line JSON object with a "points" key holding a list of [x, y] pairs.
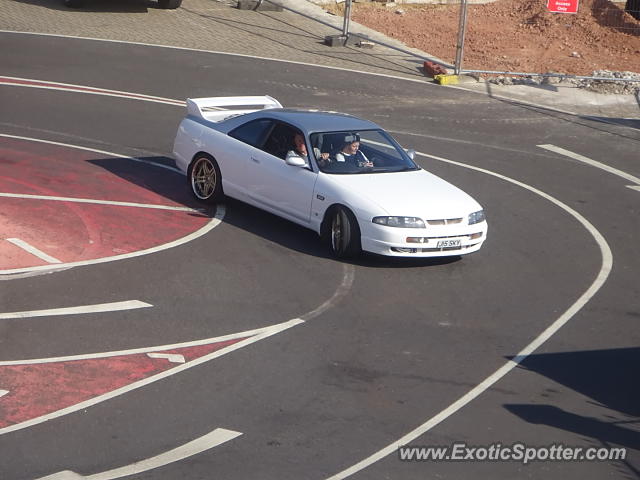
{"points": [[157, 175], [609, 378]]}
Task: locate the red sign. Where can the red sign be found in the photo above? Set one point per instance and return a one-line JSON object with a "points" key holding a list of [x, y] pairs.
{"points": [[562, 6]]}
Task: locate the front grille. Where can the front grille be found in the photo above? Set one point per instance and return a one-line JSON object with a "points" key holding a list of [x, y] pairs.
{"points": [[445, 221]]}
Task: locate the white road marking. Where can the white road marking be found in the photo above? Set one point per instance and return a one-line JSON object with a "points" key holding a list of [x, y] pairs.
{"points": [[220, 212], [601, 277], [96, 308], [192, 236], [594, 163], [254, 336], [97, 202], [3, 392], [199, 445], [343, 289], [102, 152], [68, 87], [33, 250], [172, 357], [634, 187], [423, 81]]}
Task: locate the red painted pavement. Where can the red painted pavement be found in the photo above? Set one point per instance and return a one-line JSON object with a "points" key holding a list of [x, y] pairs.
{"points": [[73, 232], [40, 389]]}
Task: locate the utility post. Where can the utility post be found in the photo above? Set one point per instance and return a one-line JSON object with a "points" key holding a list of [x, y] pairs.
{"points": [[347, 18], [462, 26]]}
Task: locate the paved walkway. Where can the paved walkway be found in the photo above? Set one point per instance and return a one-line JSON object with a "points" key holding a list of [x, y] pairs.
{"points": [[216, 25]]}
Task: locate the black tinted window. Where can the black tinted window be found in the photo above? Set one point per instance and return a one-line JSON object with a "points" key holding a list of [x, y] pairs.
{"points": [[281, 140], [253, 132]]}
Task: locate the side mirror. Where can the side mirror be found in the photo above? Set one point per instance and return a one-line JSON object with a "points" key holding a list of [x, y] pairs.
{"points": [[412, 153], [295, 161]]}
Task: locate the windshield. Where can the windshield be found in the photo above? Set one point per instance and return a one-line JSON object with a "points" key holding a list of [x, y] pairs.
{"points": [[364, 151]]}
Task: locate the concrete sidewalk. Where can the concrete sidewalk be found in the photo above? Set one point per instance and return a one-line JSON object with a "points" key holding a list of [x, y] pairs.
{"points": [[216, 25]]}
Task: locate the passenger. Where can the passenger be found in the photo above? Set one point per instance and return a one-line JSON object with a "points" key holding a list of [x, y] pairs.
{"points": [[300, 150], [352, 154]]}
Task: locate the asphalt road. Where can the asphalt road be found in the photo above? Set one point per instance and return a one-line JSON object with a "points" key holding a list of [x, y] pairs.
{"points": [[398, 342]]}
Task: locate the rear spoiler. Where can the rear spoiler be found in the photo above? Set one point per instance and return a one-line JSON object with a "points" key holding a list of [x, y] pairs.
{"points": [[217, 109]]}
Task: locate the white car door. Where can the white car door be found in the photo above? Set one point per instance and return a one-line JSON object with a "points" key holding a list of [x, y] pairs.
{"points": [[234, 153], [283, 189]]}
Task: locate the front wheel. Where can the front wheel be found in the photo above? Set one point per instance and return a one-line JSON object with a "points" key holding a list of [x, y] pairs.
{"points": [[344, 233], [205, 179]]}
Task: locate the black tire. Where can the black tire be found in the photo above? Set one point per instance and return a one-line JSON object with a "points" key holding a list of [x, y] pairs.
{"points": [[74, 3], [169, 3], [343, 233], [205, 179]]}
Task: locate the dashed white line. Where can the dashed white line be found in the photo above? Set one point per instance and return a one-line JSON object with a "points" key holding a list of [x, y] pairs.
{"points": [[27, 247], [595, 163], [97, 202], [96, 308], [199, 445]]}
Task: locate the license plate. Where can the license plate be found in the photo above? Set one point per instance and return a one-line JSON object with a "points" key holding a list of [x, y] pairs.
{"points": [[450, 242]]}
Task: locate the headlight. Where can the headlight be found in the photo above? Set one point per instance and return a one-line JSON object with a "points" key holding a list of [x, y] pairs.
{"points": [[402, 222], [476, 217]]}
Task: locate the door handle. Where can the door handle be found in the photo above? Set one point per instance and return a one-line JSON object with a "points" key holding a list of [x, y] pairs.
{"points": [[255, 160]]}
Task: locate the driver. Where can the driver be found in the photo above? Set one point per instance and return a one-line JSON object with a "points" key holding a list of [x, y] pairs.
{"points": [[300, 150], [352, 154]]}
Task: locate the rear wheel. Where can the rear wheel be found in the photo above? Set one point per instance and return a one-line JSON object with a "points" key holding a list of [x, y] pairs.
{"points": [[205, 179], [343, 233]]}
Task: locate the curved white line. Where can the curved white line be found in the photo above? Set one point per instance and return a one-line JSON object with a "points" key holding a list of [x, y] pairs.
{"points": [[241, 55], [70, 87], [220, 212], [199, 445], [95, 150], [91, 201], [605, 269], [258, 335], [95, 308]]}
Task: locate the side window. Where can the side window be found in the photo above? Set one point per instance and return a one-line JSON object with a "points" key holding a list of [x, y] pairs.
{"points": [[281, 140], [253, 132]]}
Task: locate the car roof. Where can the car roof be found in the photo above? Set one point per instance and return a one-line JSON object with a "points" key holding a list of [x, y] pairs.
{"points": [[312, 120]]}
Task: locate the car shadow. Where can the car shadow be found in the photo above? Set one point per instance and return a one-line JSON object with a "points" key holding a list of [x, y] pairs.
{"points": [[158, 175]]}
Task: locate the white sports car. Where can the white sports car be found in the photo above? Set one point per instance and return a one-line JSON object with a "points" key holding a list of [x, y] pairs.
{"points": [[341, 176]]}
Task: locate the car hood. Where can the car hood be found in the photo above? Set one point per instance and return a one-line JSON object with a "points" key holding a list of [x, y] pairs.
{"points": [[411, 194]]}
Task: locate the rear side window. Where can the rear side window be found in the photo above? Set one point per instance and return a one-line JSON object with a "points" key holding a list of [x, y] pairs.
{"points": [[253, 132]]}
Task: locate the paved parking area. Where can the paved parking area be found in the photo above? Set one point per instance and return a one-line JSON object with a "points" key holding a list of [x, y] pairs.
{"points": [[205, 24]]}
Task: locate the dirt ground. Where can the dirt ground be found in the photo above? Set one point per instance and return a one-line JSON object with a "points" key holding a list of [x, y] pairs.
{"points": [[516, 35]]}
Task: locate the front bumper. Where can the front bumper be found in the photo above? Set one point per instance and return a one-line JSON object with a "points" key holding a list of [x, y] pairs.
{"points": [[392, 241]]}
